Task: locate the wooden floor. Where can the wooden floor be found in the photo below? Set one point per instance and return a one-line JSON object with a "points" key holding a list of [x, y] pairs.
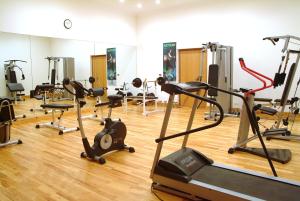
{"points": [[48, 166]]}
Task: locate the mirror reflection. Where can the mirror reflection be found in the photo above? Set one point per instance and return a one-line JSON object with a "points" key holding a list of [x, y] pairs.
{"points": [[30, 64]]}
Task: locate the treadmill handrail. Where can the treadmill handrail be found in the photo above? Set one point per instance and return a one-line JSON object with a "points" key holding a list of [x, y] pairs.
{"points": [[175, 88], [199, 128]]}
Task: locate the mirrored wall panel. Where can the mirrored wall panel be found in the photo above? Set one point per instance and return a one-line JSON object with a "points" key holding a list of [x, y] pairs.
{"points": [[49, 60]]}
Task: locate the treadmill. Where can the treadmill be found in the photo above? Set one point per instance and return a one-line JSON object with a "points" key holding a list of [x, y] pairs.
{"points": [[190, 174]]}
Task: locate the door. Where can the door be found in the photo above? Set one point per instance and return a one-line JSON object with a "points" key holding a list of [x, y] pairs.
{"points": [[99, 70], [189, 70]]}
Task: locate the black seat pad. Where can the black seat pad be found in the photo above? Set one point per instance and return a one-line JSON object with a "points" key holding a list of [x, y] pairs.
{"points": [[141, 97], [268, 110], [57, 106], [114, 97], [263, 99], [15, 87], [43, 88], [101, 104], [38, 97], [97, 91]]}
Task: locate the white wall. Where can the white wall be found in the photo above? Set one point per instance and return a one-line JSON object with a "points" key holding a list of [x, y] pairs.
{"points": [[91, 20], [126, 57], [241, 24], [126, 63], [40, 49], [81, 51], [15, 46]]}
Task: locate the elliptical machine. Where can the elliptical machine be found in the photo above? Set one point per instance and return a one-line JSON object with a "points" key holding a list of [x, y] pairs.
{"points": [[111, 138]]}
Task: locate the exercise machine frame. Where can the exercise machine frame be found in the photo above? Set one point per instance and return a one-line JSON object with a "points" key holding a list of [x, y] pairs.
{"points": [[276, 132], [220, 75], [7, 113], [111, 138], [183, 172], [279, 155]]}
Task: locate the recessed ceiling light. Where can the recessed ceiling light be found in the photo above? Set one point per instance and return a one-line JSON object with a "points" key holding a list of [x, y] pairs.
{"points": [[157, 2], [122, 1], [139, 5]]}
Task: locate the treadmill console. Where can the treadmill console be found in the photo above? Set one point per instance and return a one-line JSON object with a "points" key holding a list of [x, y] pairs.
{"points": [[176, 88], [182, 164], [188, 163]]}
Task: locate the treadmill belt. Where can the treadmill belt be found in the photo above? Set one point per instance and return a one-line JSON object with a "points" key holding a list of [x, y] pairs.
{"points": [[244, 183]]}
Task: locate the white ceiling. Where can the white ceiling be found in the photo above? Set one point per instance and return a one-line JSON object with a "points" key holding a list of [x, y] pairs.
{"points": [[130, 6]]}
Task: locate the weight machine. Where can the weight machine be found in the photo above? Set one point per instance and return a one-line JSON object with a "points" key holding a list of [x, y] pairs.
{"points": [[276, 132], [68, 70], [219, 75], [14, 88], [279, 155]]}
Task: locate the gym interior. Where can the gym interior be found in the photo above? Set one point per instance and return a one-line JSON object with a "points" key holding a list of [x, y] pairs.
{"points": [[149, 100]]}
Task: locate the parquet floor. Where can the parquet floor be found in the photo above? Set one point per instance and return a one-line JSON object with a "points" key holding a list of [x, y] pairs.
{"points": [[48, 166]]}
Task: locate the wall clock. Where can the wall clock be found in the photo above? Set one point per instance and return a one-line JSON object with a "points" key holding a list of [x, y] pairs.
{"points": [[67, 23]]}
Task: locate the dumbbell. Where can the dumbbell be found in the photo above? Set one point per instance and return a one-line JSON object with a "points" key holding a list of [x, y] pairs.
{"points": [[137, 82], [161, 80], [91, 80]]}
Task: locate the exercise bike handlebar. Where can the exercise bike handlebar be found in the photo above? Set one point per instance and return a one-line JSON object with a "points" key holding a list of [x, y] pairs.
{"points": [[258, 76], [77, 86]]}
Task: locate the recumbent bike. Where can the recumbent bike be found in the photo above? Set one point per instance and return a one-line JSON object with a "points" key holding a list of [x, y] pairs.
{"points": [[111, 138]]}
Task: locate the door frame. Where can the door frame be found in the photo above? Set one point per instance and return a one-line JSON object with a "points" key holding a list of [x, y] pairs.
{"points": [[179, 66], [91, 64]]}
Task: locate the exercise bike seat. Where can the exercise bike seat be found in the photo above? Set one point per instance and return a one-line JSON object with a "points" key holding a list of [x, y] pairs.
{"points": [[95, 92], [57, 106], [115, 100]]}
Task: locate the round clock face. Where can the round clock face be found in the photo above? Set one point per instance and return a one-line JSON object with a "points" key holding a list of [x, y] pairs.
{"points": [[67, 24]]}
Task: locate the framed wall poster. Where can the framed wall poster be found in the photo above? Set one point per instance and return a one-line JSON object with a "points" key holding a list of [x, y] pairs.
{"points": [[111, 64], [169, 61]]}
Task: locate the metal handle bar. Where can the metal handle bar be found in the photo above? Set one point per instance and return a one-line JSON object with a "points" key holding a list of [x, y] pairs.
{"points": [[258, 76], [202, 127]]}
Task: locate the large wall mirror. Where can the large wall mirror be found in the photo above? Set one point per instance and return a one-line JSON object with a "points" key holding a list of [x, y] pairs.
{"points": [[84, 54]]}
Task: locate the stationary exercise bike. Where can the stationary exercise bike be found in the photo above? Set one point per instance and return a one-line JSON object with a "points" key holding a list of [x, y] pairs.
{"points": [[111, 138]]}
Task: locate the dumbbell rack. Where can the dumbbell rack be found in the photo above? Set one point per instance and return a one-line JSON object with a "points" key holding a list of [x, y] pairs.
{"points": [[145, 99]]}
